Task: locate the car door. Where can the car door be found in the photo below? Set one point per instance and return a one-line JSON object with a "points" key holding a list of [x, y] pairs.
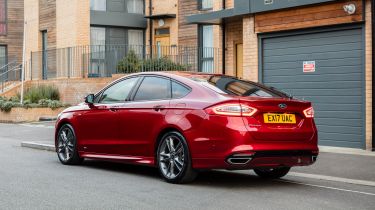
{"points": [[99, 125], [144, 116]]}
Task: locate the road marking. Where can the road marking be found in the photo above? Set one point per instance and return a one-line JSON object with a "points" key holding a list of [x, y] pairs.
{"points": [[37, 125], [332, 178], [326, 187]]}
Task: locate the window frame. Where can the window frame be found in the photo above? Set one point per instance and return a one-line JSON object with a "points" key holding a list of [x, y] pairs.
{"points": [[140, 83], [201, 8], [201, 59], [143, 9], [105, 10], [100, 93], [5, 18], [6, 62]]}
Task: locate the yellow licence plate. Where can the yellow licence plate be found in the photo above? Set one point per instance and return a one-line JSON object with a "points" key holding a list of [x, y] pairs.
{"points": [[279, 118]]}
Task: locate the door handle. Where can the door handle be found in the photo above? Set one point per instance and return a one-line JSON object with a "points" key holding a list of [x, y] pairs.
{"points": [[113, 109], [159, 108]]}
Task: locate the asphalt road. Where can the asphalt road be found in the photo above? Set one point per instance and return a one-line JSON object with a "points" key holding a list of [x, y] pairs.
{"points": [[33, 179]]}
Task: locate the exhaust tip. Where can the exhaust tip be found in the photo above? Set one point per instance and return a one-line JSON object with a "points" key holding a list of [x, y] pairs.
{"points": [[239, 159]]}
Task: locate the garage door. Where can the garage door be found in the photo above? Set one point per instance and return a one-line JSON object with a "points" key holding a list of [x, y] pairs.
{"points": [[336, 86]]}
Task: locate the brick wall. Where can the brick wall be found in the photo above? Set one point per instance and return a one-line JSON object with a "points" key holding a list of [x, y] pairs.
{"points": [[250, 49], [18, 115], [72, 23], [234, 36], [32, 30]]}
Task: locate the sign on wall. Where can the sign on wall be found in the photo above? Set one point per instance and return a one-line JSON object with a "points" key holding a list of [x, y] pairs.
{"points": [[308, 66]]}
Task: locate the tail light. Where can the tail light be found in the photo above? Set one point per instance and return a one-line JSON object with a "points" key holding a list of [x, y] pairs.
{"points": [[232, 110], [309, 112]]}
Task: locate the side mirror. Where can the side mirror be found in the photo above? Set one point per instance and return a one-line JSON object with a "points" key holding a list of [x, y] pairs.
{"points": [[90, 99]]}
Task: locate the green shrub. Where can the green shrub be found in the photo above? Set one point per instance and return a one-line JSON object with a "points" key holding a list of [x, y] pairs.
{"points": [[162, 64], [55, 104], [15, 99], [7, 106], [36, 93], [130, 63]]}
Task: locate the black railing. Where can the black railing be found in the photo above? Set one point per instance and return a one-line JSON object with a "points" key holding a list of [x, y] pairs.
{"points": [[105, 60]]}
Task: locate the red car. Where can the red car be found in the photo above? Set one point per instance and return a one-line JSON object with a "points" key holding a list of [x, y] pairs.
{"points": [[185, 122]]}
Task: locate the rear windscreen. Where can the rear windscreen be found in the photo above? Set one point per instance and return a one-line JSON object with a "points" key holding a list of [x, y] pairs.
{"points": [[235, 86]]}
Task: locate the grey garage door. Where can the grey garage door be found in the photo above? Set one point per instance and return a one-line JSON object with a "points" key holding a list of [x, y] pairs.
{"points": [[336, 86]]}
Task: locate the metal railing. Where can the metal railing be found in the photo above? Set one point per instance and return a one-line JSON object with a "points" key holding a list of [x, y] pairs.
{"points": [[10, 74], [105, 60]]}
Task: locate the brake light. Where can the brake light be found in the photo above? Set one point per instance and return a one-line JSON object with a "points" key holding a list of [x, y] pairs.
{"points": [[309, 112], [232, 110]]}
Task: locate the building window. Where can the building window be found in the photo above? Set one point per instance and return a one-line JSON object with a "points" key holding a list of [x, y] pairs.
{"points": [[3, 63], [3, 58], [3, 17], [97, 40], [207, 50], [98, 5], [135, 41], [206, 4], [135, 6]]}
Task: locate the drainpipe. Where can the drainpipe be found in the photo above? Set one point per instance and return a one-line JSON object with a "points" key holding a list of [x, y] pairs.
{"points": [[373, 71], [151, 25], [223, 41]]}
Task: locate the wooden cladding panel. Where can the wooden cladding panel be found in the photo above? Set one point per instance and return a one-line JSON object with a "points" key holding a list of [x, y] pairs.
{"points": [[296, 18], [187, 33], [14, 37], [47, 20]]}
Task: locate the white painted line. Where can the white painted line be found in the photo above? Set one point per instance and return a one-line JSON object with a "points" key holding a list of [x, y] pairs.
{"points": [[347, 151], [40, 146], [37, 125], [326, 187], [332, 178]]}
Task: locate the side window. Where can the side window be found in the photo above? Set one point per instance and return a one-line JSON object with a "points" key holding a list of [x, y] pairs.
{"points": [[179, 91], [118, 92], [154, 88]]}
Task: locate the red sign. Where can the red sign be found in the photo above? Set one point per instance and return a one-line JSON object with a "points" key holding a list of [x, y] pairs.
{"points": [[308, 66]]}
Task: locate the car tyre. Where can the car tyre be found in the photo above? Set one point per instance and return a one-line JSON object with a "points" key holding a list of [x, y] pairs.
{"points": [[272, 173], [174, 160], [66, 147]]}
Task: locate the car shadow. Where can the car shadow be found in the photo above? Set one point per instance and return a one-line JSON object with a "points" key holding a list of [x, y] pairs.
{"points": [[210, 178]]}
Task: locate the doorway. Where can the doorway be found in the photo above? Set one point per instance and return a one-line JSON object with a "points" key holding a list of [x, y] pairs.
{"points": [[162, 42], [239, 60], [44, 54]]}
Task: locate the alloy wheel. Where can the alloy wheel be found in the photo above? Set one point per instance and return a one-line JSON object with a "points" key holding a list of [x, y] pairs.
{"points": [[65, 147], [172, 157]]}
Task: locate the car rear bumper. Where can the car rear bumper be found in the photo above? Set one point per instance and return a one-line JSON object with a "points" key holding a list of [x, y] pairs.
{"points": [[259, 159]]}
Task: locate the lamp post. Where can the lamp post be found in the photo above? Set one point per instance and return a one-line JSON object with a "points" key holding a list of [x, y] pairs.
{"points": [[23, 61]]}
